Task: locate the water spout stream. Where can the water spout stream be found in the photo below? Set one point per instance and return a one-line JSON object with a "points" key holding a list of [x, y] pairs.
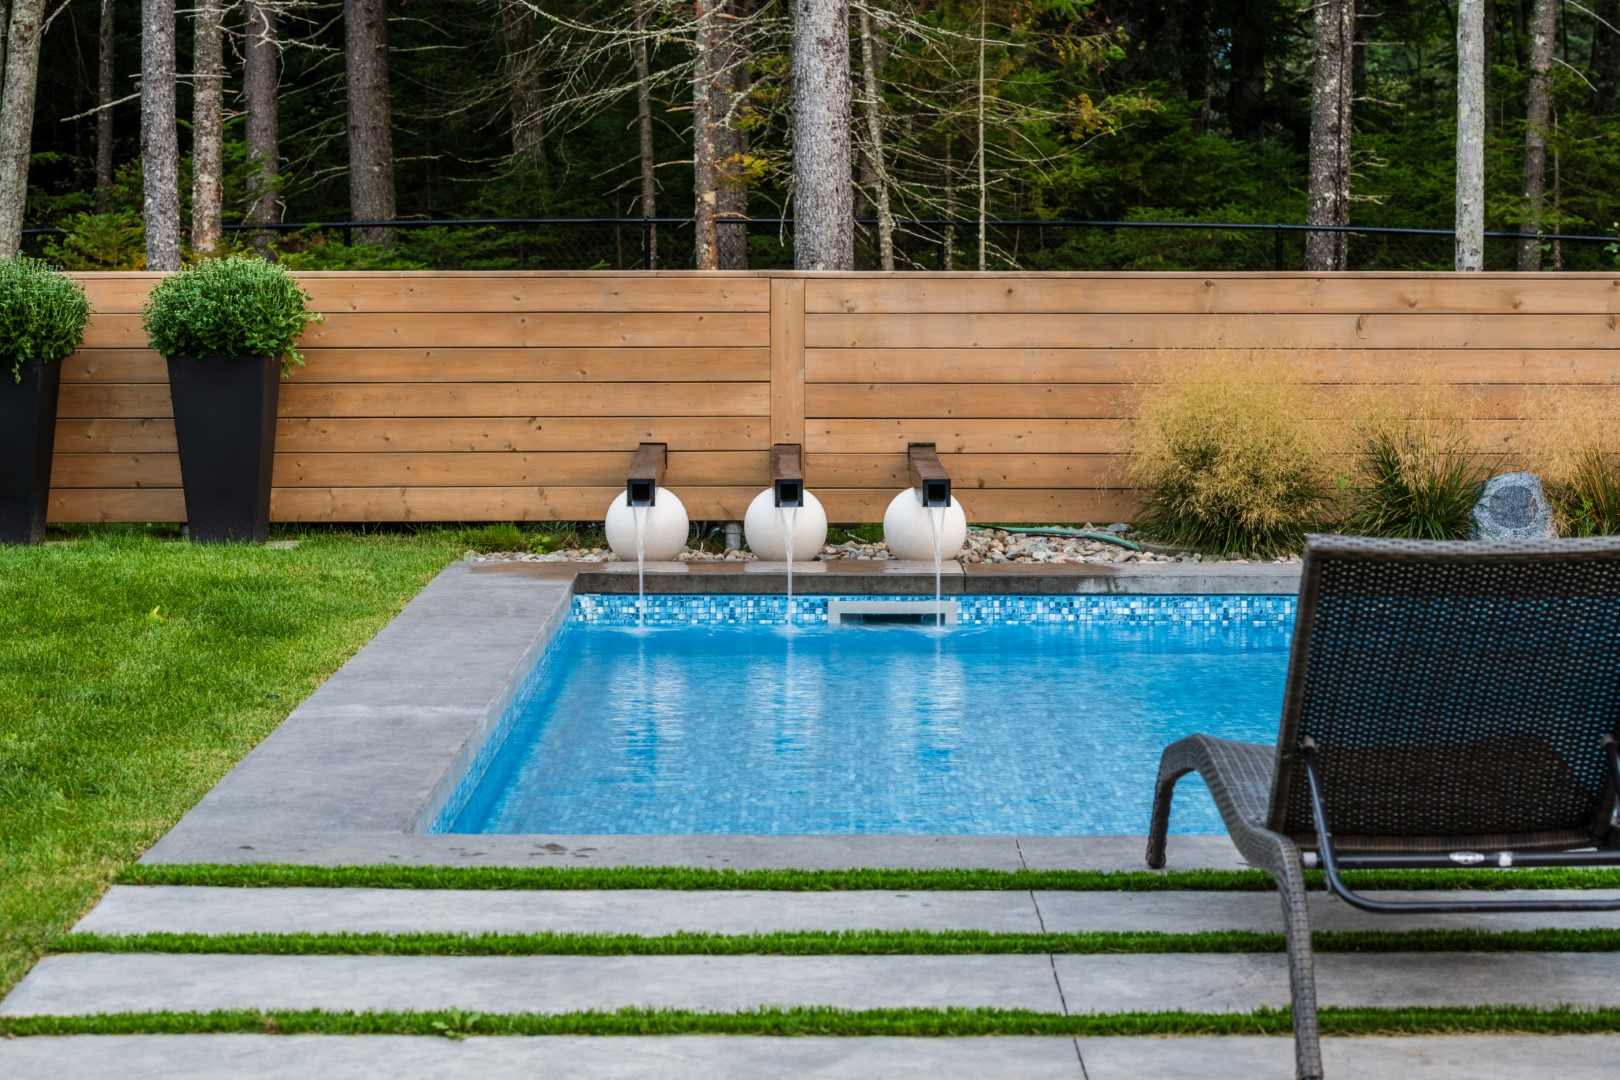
{"points": [[936, 521], [790, 516], [640, 513]]}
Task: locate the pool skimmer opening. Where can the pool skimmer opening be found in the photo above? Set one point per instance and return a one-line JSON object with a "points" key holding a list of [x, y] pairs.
{"points": [[875, 612]]}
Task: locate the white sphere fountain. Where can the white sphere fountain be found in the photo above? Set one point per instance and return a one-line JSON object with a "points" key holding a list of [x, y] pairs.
{"points": [[909, 527], [765, 526], [661, 528]]}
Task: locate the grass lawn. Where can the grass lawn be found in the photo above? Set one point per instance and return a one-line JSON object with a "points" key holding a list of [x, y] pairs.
{"points": [[135, 672]]}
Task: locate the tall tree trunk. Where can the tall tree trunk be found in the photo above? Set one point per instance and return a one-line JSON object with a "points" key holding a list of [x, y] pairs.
{"points": [[106, 87], [1470, 134], [523, 73], [705, 177], [728, 89], [649, 189], [260, 63], [874, 134], [371, 139], [1605, 56], [17, 117], [160, 144], [1328, 200], [983, 199], [207, 118], [823, 185], [1538, 106], [947, 256]]}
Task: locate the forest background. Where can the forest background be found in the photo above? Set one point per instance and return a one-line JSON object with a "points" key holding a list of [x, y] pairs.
{"points": [[1168, 111]]}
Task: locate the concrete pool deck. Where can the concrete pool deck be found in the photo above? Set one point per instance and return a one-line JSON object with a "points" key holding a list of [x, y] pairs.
{"points": [[360, 768]]}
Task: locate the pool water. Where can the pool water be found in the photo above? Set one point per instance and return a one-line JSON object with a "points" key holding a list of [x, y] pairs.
{"points": [[770, 729]]}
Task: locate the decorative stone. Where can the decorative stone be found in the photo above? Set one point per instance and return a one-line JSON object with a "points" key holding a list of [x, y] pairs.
{"points": [[1512, 507], [908, 528], [667, 527], [1119, 528], [765, 526]]}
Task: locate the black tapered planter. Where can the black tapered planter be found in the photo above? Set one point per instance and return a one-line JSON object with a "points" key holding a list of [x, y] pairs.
{"points": [[27, 437], [225, 423]]}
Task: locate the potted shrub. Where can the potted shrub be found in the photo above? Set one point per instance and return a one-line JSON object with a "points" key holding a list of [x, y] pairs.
{"points": [[227, 328], [42, 317]]}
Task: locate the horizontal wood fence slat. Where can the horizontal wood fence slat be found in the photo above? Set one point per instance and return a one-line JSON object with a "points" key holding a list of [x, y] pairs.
{"points": [[521, 396]]}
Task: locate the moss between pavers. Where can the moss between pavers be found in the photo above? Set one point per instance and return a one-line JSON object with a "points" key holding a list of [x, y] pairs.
{"points": [[826, 1021], [276, 875], [837, 943]]}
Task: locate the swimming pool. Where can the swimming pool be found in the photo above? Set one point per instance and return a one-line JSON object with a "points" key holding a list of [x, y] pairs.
{"points": [[1034, 716]]}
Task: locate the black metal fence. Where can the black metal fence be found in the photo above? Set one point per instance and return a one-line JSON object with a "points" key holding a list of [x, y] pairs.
{"points": [[925, 244]]}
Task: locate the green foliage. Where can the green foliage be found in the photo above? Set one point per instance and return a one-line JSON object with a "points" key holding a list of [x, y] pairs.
{"points": [[42, 313], [500, 536], [1227, 459], [457, 1025], [819, 1020], [1587, 498], [388, 876], [836, 942], [115, 240], [1410, 489], [870, 533], [114, 723], [240, 305], [317, 251]]}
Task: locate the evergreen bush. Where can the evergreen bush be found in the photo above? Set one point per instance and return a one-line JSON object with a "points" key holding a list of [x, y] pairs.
{"points": [[42, 313], [240, 305]]}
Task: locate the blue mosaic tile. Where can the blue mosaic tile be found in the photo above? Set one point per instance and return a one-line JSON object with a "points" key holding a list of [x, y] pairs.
{"points": [[711, 610]]}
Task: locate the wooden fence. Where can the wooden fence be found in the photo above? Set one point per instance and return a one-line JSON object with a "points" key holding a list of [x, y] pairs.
{"points": [[508, 396]]}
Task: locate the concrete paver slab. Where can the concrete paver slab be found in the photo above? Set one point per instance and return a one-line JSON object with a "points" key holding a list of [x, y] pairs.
{"points": [[1448, 1057], [204, 910], [105, 983], [275, 1057], [1192, 912], [1116, 853], [1202, 982]]}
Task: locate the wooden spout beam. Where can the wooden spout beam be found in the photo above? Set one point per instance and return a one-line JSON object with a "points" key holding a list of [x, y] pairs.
{"points": [[787, 474], [928, 475], [646, 473]]}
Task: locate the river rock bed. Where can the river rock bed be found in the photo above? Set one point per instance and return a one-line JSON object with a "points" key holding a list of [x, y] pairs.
{"points": [[984, 545]]}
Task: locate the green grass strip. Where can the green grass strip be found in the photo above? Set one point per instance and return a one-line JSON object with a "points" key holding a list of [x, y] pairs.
{"points": [[837, 943], [283, 875], [827, 1021]]}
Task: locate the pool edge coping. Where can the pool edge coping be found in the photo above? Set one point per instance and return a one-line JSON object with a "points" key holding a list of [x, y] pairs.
{"points": [[349, 775]]}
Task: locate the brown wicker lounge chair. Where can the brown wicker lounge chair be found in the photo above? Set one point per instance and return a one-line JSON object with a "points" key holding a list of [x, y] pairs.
{"points": [[1448, 704]]}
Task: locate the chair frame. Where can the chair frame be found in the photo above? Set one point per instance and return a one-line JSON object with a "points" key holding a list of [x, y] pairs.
{"points": [[1236, 773]]}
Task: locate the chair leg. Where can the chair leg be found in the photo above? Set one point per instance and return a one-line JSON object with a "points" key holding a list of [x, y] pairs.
{"points": [[1301, 966], [1159, 827]]}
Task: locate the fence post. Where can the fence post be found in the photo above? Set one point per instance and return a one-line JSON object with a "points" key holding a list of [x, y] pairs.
{"points": [[787, 360], [1277, 247]]}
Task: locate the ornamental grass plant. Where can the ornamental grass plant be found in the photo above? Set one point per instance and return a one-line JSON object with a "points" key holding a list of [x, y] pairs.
{"points": [[1573, 443], [42, 313], [1226, 455], [1413, 471], [237, 306]]}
